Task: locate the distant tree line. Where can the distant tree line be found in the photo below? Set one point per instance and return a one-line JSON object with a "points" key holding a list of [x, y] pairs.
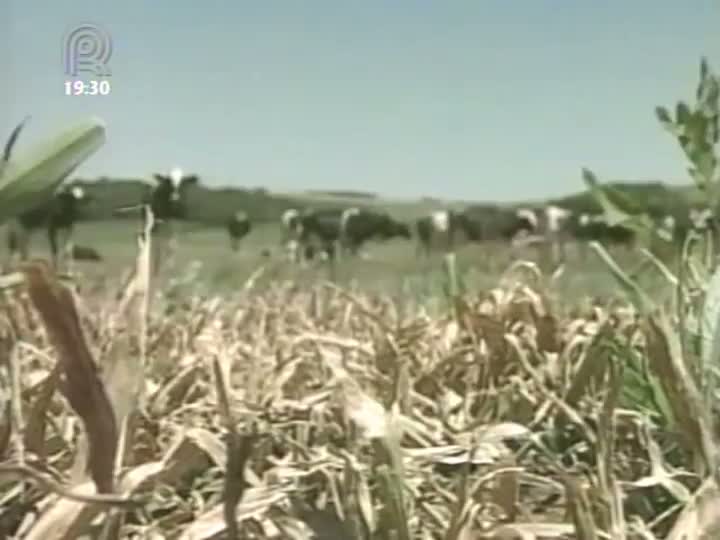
{"points": [[343, 194], [214, 205]]}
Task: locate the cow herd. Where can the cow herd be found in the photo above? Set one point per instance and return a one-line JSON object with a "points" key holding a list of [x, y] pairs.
{"points": [[330, 233], [338, 232]]}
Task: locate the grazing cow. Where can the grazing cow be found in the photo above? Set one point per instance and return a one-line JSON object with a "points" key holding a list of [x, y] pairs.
{"points": [[508, 225], [444, 225], [57, 216], [666, 227], [594, 227], [85, 253], [308, 232], [238, 226], [699, 221], [291, 221], [340, 231], [326, 227], [702, 219], [167, 199], [168, 202], [359, 226], [671, 228], [551, 224]]}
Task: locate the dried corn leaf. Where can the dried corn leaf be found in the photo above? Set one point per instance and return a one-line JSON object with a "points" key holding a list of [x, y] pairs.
{"points": [[700, 519], [83, 388], [255, 504]]}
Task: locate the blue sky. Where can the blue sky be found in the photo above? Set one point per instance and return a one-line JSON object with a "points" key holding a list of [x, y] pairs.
{"points": [[485, 100]]}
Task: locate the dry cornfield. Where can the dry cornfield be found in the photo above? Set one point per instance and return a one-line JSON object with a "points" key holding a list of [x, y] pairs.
{"points": [[318, 412], [298, 410]]}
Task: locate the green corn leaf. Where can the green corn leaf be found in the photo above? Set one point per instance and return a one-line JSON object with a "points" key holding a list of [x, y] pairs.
{"points": [[709, 103], [663, 115], [639, 298], [667, 122], [704, 69], [699, 179], [618, 208], [711, 323], [682, 113], [706, 166], [641, 389], [614, 215], [28, 179], [624, 201]]}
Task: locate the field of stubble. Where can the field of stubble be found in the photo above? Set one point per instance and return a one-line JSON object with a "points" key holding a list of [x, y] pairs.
{"points": [[266, 402]]}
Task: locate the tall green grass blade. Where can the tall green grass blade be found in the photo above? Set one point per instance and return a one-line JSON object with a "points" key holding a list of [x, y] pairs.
{"points": [[637, 296], [620, 210], [613, 214], [710, 331]]}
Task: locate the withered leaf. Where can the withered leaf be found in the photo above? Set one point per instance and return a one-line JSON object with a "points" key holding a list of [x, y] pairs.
{"points": [[83, 387]]}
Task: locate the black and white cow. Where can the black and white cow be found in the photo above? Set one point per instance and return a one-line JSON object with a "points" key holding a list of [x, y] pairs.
{"points": [[478, 223], [345, 231], [550, 225], [699, 221], [310, 232], [702, 219], [166, 197], [589, 227], [238, 227], [291, 223], [86, 253], [168, 201], [441, 228], [667, 227], [359, 226], [57, 216], [505, 224]]}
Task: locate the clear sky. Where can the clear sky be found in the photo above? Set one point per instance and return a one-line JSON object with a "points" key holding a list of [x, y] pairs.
{"points": [[476, 99]]}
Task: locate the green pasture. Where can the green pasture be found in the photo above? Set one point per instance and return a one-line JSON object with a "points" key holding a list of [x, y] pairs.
{"points": [[205, 264]]}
